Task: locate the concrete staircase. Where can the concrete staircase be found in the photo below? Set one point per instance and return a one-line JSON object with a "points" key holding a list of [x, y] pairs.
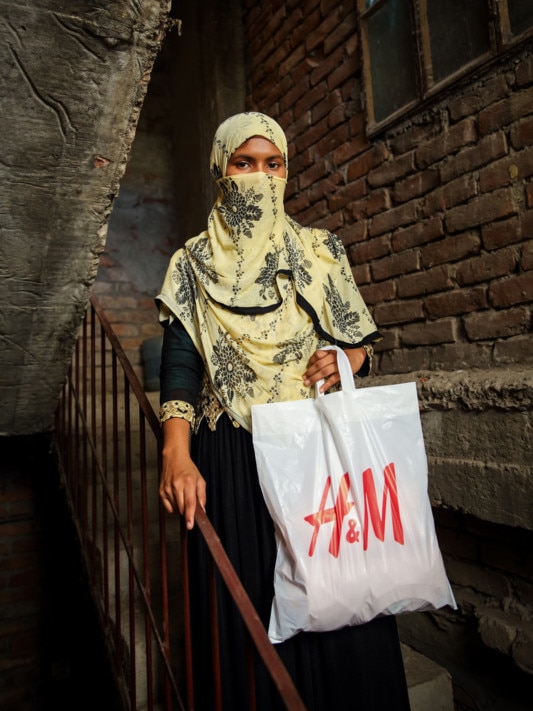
{"points": [[430, 685]]}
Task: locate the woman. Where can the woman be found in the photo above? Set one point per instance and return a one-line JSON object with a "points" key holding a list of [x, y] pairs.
{"points": [[246, 306]]}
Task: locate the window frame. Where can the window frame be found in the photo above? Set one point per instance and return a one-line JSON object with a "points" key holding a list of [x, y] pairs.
{"points": [[501, 41]]}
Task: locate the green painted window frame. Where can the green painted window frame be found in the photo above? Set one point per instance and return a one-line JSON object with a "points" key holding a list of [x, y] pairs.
{"points": [[399, 39]]}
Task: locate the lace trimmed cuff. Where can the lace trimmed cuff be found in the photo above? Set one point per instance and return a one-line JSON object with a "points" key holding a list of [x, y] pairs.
{"points": [[370, 353], [177, 408]]}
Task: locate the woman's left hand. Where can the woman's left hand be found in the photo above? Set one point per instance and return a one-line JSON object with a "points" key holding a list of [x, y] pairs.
{"points": [[323, 365]]}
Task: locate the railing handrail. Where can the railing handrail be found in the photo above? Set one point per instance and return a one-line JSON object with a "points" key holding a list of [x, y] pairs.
{"points": [[256, 630]]}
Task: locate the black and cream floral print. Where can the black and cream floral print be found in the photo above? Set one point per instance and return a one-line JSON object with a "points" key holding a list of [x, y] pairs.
{"points": [[267, 276], [239, 208], [344, 318], [257, 292], [232, 375]]}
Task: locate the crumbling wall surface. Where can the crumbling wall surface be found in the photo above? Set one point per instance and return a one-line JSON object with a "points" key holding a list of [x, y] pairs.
{"points": [[73, 77], [487, 644], [479, 440]]}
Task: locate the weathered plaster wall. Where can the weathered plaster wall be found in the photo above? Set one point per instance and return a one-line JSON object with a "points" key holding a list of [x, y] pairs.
{"points": [[73, 77]]}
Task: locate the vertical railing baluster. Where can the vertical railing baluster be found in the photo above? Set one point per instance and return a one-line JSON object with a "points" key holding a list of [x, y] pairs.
{"points": [[116, 517], [215, 636], [187, 628], [84, 466], [163, 560], [67, 425], [77, 429], [94, 435], [131, 542], [103, 429], [146, 557]]}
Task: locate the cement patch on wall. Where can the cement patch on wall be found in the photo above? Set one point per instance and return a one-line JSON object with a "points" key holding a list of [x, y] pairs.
{"points": [[478, 436]]}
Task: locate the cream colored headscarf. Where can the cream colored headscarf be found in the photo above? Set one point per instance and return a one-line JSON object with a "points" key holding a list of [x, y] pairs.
{"points": [[258, 293]]}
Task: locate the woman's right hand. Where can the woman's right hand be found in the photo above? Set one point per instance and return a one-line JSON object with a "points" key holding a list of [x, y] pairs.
{"points": [[182, 486]]}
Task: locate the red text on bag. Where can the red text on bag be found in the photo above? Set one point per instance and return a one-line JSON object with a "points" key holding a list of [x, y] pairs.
{"points": [[342, 507]]}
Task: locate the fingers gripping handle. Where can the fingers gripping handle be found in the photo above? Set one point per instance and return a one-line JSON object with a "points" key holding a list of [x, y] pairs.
{"points": [[345, 370]]}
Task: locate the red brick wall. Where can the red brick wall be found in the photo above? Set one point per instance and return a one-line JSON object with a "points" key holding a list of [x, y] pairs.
{"points": [[436, 214]]}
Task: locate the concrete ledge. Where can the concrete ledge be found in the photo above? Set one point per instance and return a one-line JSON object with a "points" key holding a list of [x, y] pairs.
{"points": [[477, 431], [507, 388]]}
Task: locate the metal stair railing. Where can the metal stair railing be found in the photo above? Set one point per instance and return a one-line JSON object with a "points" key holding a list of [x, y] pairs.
{"points": [[108, 442]]}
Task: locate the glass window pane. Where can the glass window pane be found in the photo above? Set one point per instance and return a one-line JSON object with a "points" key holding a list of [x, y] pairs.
{"points": [[391, 44], [459, 33], [520, 15]]}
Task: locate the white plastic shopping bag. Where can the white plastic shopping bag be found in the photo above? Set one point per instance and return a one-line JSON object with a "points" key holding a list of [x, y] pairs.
{"points": [[344, 476]]}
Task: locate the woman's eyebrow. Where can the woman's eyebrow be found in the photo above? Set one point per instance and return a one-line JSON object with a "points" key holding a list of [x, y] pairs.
{"points": [[245, 156], [241, 156]]}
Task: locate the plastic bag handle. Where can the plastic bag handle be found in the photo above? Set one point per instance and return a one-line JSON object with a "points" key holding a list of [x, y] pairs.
{"points": [[345, 371]]}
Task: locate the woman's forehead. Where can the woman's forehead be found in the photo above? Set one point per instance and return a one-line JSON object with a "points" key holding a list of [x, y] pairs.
{"points": [[258, 144]]}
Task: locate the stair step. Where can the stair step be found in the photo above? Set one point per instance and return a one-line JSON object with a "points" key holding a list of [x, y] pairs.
{"points": [[430, 685]]}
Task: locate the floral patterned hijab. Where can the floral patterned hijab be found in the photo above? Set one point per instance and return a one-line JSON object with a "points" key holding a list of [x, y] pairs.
{"points": [[258, 293]]}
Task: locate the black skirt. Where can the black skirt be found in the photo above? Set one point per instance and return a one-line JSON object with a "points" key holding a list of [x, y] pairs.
{"points": [[352, 668]]}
